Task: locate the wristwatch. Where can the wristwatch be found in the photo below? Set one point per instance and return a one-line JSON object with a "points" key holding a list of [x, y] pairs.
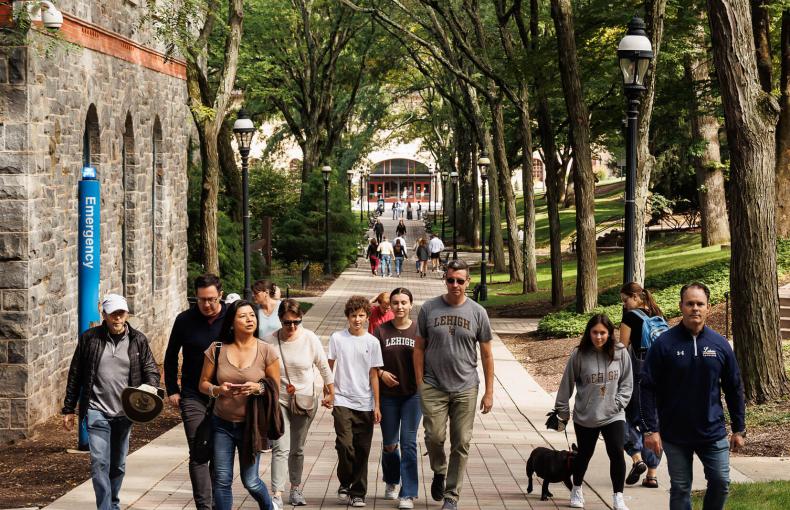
{"points": [[649, 433], [742, 433]]}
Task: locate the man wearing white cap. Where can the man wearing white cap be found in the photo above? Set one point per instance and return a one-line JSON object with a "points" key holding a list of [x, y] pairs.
{"points": [[109, 357]]}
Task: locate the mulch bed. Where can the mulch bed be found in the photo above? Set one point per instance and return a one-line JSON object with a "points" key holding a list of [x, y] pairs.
{"points": [[545, 360], [38, 470]]}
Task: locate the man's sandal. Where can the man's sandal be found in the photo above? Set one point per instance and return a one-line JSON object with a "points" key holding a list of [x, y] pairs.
{"points": [[650, 482]]}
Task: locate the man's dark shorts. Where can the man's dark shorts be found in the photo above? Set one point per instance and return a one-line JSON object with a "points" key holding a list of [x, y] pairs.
{"points": [[435, 255]]}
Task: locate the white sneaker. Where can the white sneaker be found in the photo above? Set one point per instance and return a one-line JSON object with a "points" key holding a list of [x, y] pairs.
{"points": [[617, 501], [391, 491], [577, 497], [406, 503], [277, 503]]}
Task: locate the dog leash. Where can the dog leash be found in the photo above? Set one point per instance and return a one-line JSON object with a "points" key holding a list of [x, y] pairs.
{"points": [[566, 437]]}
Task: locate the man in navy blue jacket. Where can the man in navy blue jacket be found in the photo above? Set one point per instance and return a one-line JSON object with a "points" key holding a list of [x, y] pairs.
{"points": [[682, 378]]}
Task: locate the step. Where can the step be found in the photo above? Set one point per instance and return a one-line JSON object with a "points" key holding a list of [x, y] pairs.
{"points": [[784, 301], [784, 322], [785, 333]]}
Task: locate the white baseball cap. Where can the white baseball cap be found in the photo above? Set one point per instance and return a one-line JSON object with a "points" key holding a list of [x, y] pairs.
{"points": [[114, 302], [230, 298]]}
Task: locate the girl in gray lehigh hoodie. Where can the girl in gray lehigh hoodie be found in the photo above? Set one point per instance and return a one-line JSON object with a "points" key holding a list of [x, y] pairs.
{"points": [[600, 370]]}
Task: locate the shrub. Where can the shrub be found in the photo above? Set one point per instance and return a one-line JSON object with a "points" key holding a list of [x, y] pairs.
{"points": [[666, 291]]}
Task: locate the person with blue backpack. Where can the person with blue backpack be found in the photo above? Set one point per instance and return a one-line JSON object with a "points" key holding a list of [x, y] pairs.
{"points": [[641, 325]]}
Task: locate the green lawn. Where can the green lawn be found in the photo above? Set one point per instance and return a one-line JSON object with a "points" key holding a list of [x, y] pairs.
{"points": [[607, 205], [667, 252], [754, 496]]}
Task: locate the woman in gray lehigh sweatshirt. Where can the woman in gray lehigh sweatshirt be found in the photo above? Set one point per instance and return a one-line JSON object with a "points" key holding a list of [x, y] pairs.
{"points": [[600, 370]]}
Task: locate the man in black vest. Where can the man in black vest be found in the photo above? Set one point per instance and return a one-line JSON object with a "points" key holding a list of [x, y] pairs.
{"points": [[193, 332]]}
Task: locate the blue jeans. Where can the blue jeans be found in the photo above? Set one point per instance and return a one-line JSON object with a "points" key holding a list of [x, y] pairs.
{"points": [[715, 459], [227, 439], [634, 444], [398, 264], [400, 418], [386, 265], [109, 443]]}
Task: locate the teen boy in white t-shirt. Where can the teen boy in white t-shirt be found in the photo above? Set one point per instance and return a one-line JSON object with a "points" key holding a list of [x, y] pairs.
{"points": [[355, 356]]}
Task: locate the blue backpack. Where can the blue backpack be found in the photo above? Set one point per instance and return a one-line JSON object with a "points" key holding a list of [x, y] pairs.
{"points": [[652, 328]]}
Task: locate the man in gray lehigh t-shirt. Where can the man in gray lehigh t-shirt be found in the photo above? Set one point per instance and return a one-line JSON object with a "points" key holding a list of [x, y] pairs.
{"points": [[445, 365]]}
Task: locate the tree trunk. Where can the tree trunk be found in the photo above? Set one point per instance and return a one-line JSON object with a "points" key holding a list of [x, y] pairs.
{"points": [[761, 26], [209, 191], [231, 176], [566, 172], [583, 178], [515, 263], [783, 137], [470, 209], [654, 20], [553, 186], [311, 158], [705, 131], [750, 115], [496, 248], [530, 283]]}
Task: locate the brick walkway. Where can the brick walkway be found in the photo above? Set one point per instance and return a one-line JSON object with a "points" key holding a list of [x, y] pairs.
{"points": [[157, 476]]}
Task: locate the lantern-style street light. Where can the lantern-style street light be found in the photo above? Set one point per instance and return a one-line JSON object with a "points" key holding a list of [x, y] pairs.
{"points": [[244, 130], [326, 171], [444, 175], [634, 53], [454, 178], [483, 163]]}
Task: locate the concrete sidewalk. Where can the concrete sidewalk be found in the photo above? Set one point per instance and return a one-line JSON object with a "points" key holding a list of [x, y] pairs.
{"points": [[157, 475]]}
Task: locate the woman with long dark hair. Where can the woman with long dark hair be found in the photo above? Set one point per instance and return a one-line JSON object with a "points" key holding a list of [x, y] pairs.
{"points": [[242, 363], [638, 304], [400, 402], [600, 370]]}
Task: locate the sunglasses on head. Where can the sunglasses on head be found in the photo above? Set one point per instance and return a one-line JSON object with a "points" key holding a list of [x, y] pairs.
{"points": [[291, 323], [452, 281]]}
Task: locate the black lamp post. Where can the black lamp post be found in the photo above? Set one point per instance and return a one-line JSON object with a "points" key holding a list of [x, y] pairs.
{"points": [[326, 171], [483, 163], [430, 187], [443, 175], [361, 198], [349, 175], [635, 53], [244, 130], [454, 177], [367, 196]]}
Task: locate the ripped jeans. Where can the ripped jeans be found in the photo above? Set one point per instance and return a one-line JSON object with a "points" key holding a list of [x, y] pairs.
{"points": [[400, 418]]}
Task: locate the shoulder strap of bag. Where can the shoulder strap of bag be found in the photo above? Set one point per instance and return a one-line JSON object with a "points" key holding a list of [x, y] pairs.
{"points": [[280, 345], [217, 347]]}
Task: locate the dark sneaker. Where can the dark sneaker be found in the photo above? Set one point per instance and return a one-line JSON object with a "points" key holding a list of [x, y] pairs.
{"points": [[449, 504], [637, 469], [357, 502], [437, 487], [342, 494]]}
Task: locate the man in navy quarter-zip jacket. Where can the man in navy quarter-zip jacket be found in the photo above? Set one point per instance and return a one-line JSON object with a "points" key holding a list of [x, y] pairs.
{"points": [[682, 379]]}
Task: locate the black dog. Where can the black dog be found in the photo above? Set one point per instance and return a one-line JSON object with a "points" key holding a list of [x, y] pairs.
{"points": [[552, 466]]}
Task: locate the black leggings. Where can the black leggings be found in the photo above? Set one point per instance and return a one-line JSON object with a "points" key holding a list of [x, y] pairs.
{"points": [[613, 438]]}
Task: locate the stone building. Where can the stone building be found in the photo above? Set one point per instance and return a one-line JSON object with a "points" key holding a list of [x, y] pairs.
{"points": [[99, 93]]}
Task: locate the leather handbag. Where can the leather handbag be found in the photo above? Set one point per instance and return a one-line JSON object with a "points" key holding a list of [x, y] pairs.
{"points": [[203, 443], [298, 405]]}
